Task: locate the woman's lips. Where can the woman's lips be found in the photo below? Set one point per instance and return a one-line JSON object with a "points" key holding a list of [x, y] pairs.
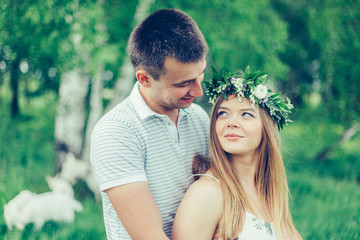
{"points": [[233, 136]]}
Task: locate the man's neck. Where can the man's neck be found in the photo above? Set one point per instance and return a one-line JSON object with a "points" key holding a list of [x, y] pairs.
{"points": [[172, 113]]}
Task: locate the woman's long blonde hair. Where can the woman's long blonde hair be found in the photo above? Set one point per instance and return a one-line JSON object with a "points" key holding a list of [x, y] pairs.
{"points": [[270, 179]]}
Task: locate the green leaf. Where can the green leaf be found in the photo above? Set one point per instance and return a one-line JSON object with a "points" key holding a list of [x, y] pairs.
{"points": [[215, 74], [247, 70]]}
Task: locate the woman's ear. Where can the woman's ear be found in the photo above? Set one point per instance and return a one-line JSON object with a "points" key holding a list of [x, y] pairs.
{"points": [[143, 77]]}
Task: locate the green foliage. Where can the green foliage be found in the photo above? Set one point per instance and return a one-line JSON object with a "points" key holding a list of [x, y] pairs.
{"points": [[323, 52], [52, 37], [29, 36], [26, 157], [303, 45], [239, 33], [313, 131], [336, 28]]}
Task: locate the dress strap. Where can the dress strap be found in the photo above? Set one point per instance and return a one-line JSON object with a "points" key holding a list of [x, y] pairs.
{"points": [[208, 175], [203, 174]]}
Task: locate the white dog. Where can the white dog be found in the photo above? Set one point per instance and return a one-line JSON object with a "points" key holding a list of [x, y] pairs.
{"points": [[58, 184], [74, 169], [12, 210], [28, 208]]}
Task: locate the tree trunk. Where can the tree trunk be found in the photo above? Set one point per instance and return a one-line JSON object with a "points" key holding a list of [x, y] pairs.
{"points": [[71, 115], [123, 83], [126, 80], [96, 110], [1, 88], [14, 85], [71, 118], [345, 137]]}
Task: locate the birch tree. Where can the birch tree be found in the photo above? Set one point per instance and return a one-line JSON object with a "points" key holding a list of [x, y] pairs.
{"points": [[73, 126]]}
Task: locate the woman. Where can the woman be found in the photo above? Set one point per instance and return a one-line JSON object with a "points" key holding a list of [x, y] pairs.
{"points": [[243, 194]]}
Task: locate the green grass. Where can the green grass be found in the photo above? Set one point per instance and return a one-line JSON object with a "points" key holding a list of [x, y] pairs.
{"points": [[325, 195], [324, 208]]}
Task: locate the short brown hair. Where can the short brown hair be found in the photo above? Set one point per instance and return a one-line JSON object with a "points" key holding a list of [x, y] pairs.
{"points": [[165, 33]]}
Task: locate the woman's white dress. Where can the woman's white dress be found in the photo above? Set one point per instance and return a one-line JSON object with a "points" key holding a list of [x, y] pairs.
{"points": [[256, 229]]}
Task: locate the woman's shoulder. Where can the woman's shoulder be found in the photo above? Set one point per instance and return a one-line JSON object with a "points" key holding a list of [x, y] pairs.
{"points": [[199, 211], [207, 187]]}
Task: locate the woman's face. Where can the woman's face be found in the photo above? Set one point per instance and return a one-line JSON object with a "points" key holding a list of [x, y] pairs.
{"points": [[239, 127]]}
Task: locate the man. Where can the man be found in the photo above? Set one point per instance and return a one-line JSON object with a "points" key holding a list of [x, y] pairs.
{"points": [[142, 149]]}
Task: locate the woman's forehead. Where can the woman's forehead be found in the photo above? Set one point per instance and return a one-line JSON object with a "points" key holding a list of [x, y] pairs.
{"points": [[233, 101]]}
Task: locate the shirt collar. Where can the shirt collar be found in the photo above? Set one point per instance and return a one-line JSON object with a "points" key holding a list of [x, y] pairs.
{"points": [[139, 103], [143, 109]]}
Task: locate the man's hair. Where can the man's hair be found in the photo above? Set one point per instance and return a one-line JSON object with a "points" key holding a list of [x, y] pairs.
{"points": [[165, 33]]}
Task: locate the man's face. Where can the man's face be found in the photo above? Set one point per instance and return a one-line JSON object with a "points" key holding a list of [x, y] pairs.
{"points": [[178, 86]]}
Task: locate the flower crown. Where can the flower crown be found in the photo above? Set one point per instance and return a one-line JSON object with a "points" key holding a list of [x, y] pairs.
{"points": [[251, 86]]}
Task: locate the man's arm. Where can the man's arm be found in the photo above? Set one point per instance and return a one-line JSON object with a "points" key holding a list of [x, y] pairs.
{"points": [[137, 210]]}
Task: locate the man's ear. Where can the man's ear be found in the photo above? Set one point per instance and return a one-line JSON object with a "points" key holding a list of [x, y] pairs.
{"points": [[143, 77]]}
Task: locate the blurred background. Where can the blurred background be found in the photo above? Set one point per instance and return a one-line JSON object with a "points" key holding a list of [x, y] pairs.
{"points": [[63, 64]]}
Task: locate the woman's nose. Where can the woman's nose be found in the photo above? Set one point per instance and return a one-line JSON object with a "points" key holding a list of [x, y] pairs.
{"points": [[233, 122]]}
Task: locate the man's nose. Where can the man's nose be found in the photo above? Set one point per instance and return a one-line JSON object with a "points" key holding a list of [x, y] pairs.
{"points": [[196, 90]]}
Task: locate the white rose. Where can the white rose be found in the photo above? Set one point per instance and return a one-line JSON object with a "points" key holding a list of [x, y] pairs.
{"points": [[260, 91]]}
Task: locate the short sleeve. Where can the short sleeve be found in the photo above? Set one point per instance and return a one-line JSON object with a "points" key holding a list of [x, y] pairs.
{"points": [[116, 155]]}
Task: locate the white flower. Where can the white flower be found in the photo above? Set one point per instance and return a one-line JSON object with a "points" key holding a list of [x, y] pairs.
{"points": [[260, 91]]}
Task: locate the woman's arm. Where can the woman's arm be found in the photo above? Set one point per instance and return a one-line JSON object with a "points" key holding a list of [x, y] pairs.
{"points": [[199, 211]]}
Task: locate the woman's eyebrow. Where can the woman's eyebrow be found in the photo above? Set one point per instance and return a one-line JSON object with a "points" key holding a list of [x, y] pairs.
{"points": [[248, 109], [242, 110]]}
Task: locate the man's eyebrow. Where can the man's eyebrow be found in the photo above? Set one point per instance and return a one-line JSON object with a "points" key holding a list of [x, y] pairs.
{"points": [[189, 80], [204, 69], [193, 78]]}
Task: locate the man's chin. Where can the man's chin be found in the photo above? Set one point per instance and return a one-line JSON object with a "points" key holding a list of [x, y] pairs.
{"points": [[184, 104]]}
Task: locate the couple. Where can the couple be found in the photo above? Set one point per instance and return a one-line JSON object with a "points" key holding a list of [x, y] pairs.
{"points": [[142, 150]]}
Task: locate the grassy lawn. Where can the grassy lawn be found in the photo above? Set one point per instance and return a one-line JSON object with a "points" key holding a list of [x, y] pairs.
{"points": [[325, 208]]}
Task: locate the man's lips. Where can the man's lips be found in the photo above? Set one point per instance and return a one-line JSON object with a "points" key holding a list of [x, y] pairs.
{"points": [[188, 99]]}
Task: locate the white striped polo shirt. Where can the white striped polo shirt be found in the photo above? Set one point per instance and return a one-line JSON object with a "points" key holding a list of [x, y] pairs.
{"points": [[131, 143]]}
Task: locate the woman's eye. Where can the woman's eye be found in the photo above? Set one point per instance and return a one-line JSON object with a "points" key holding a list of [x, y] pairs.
{"points": [[222, 114], [246, 114]]}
